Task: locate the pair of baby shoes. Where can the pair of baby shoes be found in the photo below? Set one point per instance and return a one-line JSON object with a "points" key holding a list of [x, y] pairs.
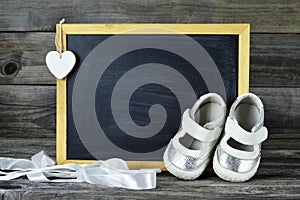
{"points": [[237, 155]]}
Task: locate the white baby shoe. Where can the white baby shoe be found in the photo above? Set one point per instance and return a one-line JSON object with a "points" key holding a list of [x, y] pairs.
{"points": [[190, 150], [237, 156]]}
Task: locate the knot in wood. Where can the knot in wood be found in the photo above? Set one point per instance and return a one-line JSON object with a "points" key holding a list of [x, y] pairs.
{"points": [[10, 69]]}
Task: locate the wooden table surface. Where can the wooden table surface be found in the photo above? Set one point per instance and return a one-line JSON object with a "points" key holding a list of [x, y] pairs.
{"points": [[277, 178], [273, 181]]}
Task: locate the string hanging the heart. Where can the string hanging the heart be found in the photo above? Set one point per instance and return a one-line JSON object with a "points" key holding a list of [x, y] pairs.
{"points": [[60, 63]]}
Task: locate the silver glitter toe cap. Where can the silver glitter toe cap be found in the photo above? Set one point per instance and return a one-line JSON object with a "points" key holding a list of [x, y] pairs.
{"points": [[183, 161], [235, 164]]}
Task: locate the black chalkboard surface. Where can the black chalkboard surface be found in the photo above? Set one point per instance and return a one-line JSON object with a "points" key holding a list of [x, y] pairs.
{"points": [[127, 92]]}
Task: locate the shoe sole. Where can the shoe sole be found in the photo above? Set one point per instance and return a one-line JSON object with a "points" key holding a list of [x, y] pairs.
{"points": [[232, 176]]}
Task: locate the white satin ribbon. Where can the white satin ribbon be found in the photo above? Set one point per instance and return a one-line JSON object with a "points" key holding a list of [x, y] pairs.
{"points": [[112, 173]]}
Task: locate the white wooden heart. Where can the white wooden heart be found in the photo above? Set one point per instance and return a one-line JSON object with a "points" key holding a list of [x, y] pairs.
{"points": [[60, 67]]}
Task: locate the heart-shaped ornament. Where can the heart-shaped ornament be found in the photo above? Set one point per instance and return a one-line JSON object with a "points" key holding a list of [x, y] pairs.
{"points": [[60, 67]]}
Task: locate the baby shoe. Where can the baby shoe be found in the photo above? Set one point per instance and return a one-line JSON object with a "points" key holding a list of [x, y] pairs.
{"points": [[189, 151], [237, 156]]}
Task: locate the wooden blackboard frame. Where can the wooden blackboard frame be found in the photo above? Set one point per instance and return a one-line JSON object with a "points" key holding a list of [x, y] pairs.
{"points": [[241, 30]]}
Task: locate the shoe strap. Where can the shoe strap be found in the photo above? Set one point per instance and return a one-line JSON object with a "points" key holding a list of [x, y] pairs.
{"points": [[247, 138], [195, 130]]}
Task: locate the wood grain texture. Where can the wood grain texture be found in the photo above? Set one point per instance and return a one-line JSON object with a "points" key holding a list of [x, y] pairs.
{"points": [[28, 49], [277, 178], [274, 59], [282, 106], [264, 16], [27, 111], [25, 147], [208, 187]]}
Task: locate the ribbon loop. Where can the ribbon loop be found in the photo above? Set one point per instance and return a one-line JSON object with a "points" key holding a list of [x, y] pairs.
{"points": [[112, 173]]}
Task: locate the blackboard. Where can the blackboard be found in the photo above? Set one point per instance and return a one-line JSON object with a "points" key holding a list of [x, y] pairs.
{"points": [[128, 90]]}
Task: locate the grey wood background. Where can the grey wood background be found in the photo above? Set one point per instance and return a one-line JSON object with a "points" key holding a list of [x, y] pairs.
{"points": [[27, 101]]}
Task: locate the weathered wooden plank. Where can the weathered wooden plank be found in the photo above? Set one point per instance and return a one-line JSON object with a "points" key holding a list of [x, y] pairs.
{"points": [[274, 58], [264, 16], [27, 111], [167, 188], [275, 163], [29, 50], [282, 107], [31, 96], [32, 108], [26, 146], [28, 122], [279, 170]]}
